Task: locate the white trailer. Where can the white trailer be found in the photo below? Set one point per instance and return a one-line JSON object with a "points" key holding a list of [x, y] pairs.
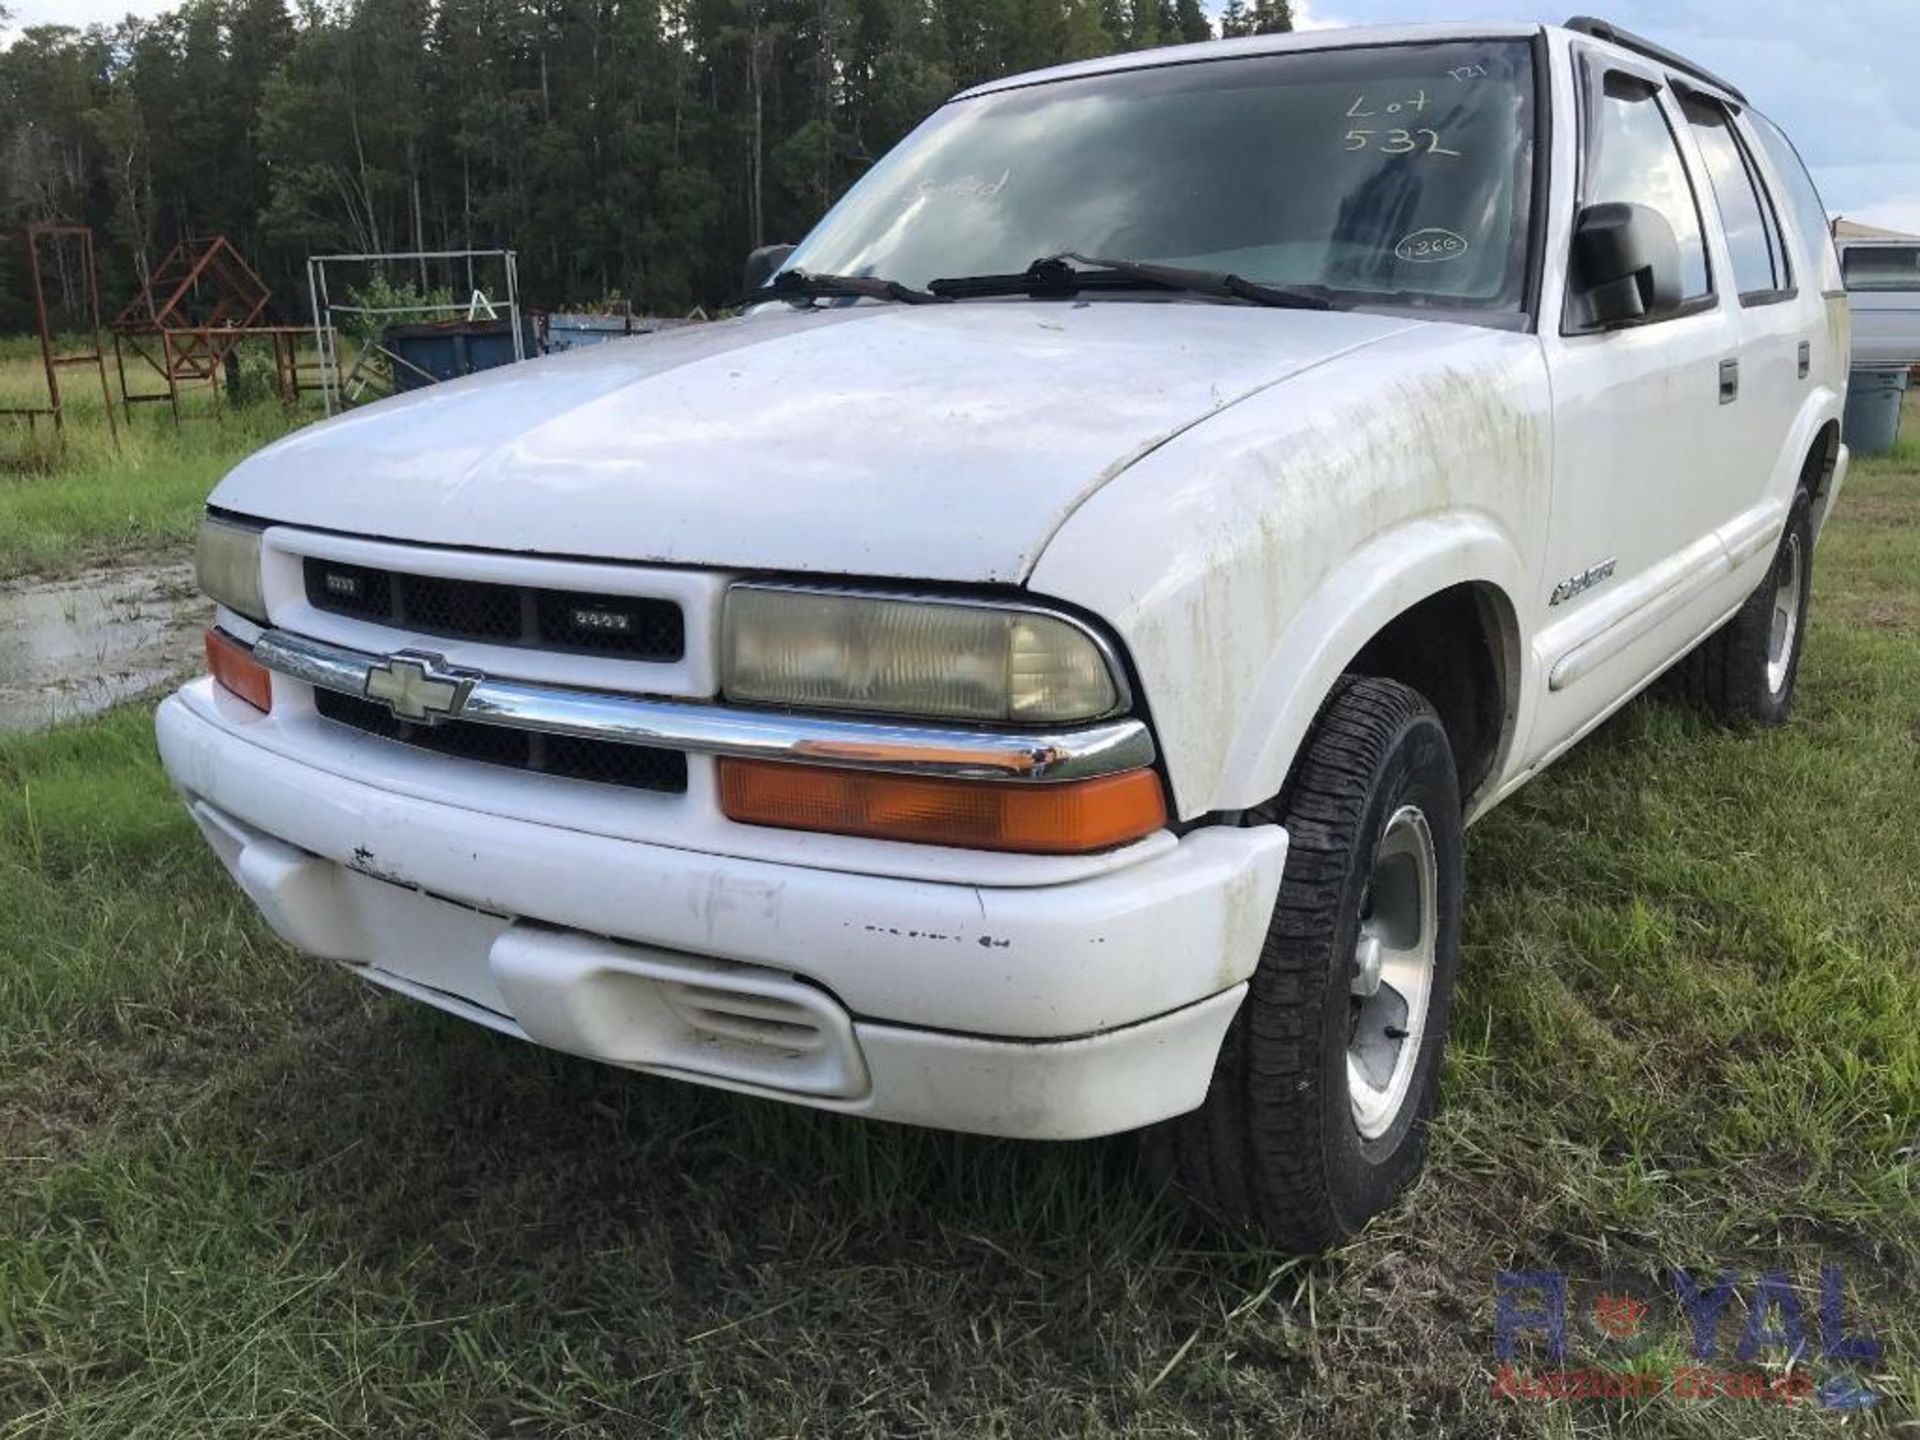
{"points": [[1883, 282]]}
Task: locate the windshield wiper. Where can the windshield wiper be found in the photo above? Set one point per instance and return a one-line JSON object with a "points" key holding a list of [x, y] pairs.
{"points": [[806, 285], [1061, 276], [1208, 282]]}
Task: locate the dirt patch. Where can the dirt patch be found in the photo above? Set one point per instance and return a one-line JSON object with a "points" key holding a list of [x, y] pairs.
{"points": [[78, 646], [1879, 510], [1875, 611]]}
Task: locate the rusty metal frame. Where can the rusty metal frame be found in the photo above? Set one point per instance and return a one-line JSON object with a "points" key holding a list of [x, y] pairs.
{"points": [[31, 237], [200, 301]]}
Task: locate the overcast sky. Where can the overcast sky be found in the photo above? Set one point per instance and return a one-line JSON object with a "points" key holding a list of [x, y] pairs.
{"points": [[80, 12], [1836, 74]]}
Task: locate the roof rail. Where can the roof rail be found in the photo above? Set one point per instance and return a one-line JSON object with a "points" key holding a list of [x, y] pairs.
{"points": [[1627, 40]]}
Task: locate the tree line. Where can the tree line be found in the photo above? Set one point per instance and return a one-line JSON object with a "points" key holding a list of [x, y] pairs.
{"points": [[632, 148]]}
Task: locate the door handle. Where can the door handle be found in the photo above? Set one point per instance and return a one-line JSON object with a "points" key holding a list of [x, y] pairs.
{"points": [[1806, 358], [1729, 381]]}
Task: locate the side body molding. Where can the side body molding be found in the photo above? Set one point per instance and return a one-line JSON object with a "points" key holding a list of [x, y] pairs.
{"points": [[1733, 557]]}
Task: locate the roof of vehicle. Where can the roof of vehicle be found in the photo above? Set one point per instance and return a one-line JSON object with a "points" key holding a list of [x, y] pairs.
{"points": [[1340, 38], [1649, 50], [1348, 37]]}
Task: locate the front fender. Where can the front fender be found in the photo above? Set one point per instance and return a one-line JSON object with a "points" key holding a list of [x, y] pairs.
{"points": [[1383, 580], [1245, 563]]}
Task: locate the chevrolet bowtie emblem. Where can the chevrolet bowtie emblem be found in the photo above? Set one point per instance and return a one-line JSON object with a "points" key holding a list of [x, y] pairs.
{"points": [[420, 687]]}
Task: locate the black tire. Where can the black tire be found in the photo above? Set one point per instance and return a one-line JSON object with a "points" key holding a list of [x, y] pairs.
{"points": [[1737, 674], [1276, 1151]]}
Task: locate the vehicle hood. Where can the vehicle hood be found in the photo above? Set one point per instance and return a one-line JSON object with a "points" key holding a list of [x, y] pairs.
{"points": [[934, 442]]}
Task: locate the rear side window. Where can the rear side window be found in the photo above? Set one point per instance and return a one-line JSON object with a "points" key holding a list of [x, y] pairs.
{"points": [[1883, 267], [1636, 161], [1753, 234], [1802, 198]]}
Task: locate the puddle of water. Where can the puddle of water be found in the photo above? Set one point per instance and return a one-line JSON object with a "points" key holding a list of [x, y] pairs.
{"points": [[77, 647]]}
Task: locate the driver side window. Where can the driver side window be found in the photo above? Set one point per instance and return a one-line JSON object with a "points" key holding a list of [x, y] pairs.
{"points": [[1635, 159]]}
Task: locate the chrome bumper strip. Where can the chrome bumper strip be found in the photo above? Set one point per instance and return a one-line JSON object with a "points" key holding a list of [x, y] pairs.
{"points": [[711, 729]]}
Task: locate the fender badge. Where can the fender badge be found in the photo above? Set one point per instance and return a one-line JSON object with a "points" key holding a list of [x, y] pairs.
{"points": [[1576, 584]]}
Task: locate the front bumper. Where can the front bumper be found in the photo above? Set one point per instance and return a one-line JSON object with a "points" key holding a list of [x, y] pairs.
{"points": [[1046, 1011]]}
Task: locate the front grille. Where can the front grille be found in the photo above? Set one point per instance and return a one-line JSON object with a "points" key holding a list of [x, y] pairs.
{"points": [[639, 767], [459, 607], [628, 627]]}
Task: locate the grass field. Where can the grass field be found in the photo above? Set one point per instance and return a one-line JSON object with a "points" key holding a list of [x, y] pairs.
{"points": [[68, 502], [244, 1195]]}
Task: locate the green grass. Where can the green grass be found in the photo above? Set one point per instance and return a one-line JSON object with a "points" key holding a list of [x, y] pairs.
{"points": [[244, 1195], [73, 499]]}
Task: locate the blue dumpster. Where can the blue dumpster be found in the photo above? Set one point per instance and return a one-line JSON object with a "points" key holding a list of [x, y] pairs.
{"points": [[1874, 396], [420, 355], [571, 331]]}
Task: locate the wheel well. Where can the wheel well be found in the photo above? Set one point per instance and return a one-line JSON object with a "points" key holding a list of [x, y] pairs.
{"points": [[1816, 475], [1459, 649]]}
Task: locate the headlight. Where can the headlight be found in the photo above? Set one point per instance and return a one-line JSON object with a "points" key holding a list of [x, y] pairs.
{"points": [[948, 660], [226, 562]]}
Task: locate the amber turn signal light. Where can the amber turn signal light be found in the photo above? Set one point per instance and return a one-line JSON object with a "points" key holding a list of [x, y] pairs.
{"points": [[236, 671], [1066, 818]]}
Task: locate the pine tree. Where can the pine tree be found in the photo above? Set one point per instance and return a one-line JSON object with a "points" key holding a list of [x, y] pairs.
{"points": [[620, 146], [1272, 17]]}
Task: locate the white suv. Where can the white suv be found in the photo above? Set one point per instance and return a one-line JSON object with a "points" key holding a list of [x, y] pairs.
{"points": [[1030, 671]]}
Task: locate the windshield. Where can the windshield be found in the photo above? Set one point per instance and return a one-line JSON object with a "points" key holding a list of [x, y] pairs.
{"points": [[1401, 173]]}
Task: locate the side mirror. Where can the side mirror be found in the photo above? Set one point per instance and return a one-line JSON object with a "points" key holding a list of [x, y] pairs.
{"points": [[762, 265], [1626, 264]]}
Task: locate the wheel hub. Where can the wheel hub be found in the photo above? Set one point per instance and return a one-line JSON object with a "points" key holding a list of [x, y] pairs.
{"points": [[1366, 965], [1784, 631], [1392, 977]]}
